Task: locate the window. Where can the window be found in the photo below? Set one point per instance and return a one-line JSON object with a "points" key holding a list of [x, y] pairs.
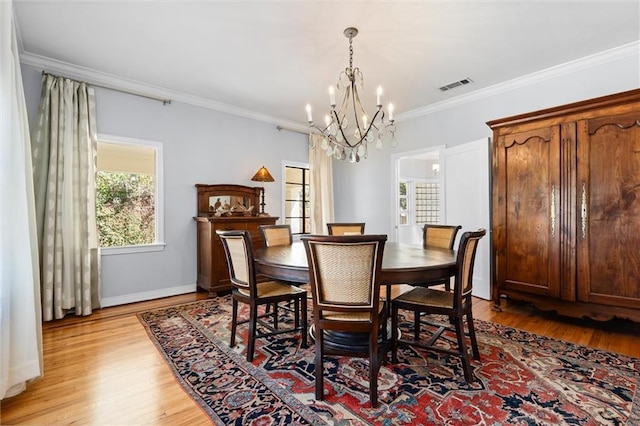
{"points": [[418, 202], [427, 202], [129, 195], [297, 212], [403, 202]]}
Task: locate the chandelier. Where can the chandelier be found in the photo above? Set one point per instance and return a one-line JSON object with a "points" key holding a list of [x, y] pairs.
{"points": [[349, 130]]}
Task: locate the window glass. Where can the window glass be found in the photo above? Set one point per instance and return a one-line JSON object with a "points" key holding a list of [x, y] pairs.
{"points": [[127, 185], [296, 204]]}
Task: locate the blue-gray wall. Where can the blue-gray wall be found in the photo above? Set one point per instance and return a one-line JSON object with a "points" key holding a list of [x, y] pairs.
{"points": [[200, 146]]}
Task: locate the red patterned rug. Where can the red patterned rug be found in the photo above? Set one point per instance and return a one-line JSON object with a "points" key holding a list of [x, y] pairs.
{"points": [[523, 378]]}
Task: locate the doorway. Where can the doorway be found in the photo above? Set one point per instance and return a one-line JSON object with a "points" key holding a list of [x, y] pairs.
{"points": [[463, 199]]}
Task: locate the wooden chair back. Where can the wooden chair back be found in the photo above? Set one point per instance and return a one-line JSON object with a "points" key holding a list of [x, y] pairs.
{"points": [[238, 250], [463, 284], [344, 272], [439, 236], [276, 235], [355, 228]]}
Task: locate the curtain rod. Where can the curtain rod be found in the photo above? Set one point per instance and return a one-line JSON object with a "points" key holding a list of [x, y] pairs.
{"points": [[164, 101], [290, 129]]}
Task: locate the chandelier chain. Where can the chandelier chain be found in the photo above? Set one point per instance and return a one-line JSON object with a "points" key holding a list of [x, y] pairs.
{"points": [[351, 55]]}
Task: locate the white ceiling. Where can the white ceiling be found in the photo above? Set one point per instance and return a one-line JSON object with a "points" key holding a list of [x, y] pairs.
{"points": [[270, 58]]}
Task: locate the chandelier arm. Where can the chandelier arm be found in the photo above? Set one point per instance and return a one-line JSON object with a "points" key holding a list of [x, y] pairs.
{"points": [[344, 137], [339, 122], [373, 119], [356, 104]]}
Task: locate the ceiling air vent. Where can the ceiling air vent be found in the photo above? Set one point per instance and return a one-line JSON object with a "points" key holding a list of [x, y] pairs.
{"points": [[456, 84]]}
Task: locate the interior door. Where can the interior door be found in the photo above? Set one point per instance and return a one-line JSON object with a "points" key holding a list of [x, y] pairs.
{"points": [[466, 202]]}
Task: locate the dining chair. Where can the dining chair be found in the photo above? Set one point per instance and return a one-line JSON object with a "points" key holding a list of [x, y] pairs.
{"points": [[246, 289], [276, 235], [344, 273], [435, 236], [346, 228], [456, 304]]}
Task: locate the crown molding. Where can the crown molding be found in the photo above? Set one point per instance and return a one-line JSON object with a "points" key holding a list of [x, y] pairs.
{"points": [[603, 57], [119, 83]]}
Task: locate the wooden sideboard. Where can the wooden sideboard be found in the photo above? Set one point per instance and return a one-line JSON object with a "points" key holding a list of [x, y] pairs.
{"points": [[566, 203], [213, 274]]}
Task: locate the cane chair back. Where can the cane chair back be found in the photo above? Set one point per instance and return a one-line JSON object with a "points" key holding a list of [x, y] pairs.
{"points": [[345, 228], [276, 235], [439, 236]]}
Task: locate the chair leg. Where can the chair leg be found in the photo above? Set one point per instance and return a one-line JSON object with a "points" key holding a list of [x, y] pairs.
{"points": [[472, 337], [394, 334], [462, 346], [253, 319], [275, 316], [374, 368], [234, 322], [303, 312], [319, 367], [296, 312], [416, 325]]}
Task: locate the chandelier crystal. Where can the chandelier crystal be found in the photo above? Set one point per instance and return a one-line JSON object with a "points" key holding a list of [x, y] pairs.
{"points": [[349, 130]]}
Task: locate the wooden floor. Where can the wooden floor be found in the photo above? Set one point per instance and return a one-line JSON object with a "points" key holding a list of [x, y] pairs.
{"points": [[104, 370]]}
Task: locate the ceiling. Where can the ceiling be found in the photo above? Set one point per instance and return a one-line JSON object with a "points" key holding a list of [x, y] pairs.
{"points": [[267, 59]]}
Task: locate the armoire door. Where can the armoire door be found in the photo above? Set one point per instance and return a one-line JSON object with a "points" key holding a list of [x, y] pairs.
{"points": [[526, 210], [608, 205]]}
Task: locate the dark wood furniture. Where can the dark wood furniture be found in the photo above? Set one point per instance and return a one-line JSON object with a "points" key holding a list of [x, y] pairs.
{"points": [[238, 250], [345, 228], [566, 203], [344, 279], [456, 304], [212, 274], [401, 263]]}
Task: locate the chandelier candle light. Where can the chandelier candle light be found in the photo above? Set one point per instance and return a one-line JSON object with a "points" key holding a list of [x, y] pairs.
{"points": [[349, 129]]}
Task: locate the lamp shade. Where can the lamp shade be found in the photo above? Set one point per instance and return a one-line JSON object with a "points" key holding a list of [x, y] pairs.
{"points": [[262, 175]]}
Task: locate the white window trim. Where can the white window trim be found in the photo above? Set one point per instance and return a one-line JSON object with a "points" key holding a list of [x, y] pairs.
{"points": [[159, 244]]}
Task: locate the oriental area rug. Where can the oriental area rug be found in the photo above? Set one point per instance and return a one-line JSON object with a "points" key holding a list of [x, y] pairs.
{"points": [[522, 378]]}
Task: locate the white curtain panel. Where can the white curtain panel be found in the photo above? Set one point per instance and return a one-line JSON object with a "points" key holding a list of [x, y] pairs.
{"points": [[20, 322], [321, 192], [64, 159]]}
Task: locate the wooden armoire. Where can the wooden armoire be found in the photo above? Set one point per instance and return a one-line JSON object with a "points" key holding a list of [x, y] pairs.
{"points": [[566, 208]]}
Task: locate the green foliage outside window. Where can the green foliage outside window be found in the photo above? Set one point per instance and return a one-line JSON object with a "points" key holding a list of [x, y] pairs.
{"points": [[125, 209]]}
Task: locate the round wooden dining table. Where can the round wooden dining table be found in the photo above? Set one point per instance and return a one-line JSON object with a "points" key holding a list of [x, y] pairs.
{"points": [[401, 263]]}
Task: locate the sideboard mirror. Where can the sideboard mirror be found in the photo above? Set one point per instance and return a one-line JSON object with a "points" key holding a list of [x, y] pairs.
{"points": [[236, 197]]}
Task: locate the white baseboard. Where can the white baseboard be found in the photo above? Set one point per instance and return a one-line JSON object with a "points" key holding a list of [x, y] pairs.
{"points": [[147, 295]]}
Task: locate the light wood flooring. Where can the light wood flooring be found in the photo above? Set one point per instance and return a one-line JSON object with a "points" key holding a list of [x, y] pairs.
{"points": [[104, 370]]}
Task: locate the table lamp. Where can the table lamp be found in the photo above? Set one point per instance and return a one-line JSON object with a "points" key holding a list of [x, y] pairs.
{"points": [[262, 175]]}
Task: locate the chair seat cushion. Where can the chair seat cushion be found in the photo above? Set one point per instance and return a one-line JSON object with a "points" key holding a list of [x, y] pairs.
{"points": [[422, 296], [273, 288]]}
